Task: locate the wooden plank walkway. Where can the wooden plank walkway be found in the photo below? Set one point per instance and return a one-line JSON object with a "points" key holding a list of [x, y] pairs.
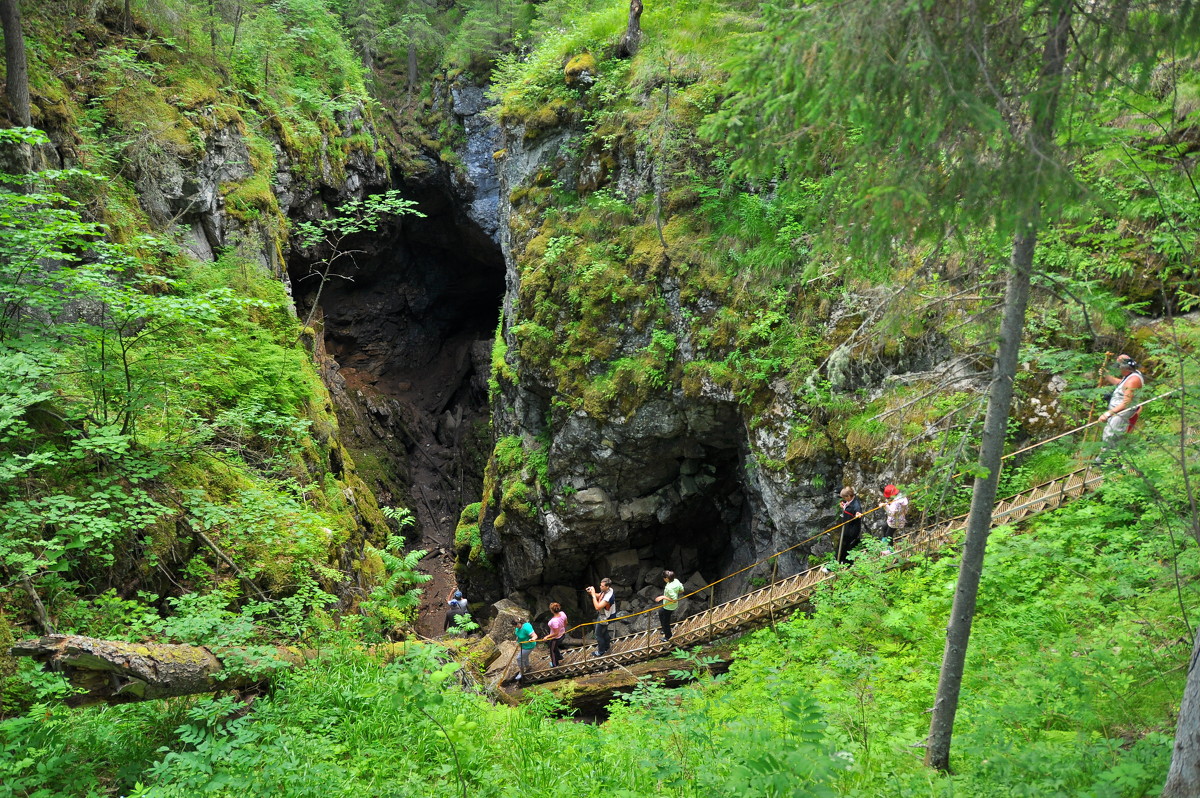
{"points": [[758, 606]]}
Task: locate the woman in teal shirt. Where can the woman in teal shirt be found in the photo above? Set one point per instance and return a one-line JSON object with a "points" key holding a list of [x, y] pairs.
{"points": [[526, 639]]}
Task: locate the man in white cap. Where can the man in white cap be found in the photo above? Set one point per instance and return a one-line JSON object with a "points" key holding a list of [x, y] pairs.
{"points": [[455, 605]]}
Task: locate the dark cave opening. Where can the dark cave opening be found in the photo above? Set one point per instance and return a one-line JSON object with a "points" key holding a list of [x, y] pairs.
{"points": [[699, 538], [415, 286], [405, 340], [697, 522]]}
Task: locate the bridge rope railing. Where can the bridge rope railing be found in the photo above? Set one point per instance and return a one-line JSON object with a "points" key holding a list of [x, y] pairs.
{"points": [[682, 630]]}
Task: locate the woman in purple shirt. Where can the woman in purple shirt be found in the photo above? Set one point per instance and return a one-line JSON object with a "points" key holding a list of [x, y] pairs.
{"points": [[557, 628]]}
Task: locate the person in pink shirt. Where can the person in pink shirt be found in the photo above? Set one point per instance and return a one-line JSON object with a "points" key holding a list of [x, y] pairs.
{"points": [[895, 507], [557, 628]]}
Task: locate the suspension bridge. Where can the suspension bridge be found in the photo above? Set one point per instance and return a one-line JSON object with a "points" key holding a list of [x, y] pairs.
{"points": [[764, 604]]}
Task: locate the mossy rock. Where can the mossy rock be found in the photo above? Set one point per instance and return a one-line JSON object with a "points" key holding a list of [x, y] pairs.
{"points": [[9, 690], [551, 115], [468, 540], [681, 199], [581, 71], [251, 199], [648, 255]]}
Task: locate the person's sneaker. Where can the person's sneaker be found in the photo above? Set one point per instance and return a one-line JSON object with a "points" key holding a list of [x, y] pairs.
{"points": [[598, 653], [887, 551], [517, 678], [825, 569]]}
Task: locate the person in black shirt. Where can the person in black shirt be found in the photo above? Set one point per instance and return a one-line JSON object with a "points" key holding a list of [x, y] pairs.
{"points": [[851, 519]]}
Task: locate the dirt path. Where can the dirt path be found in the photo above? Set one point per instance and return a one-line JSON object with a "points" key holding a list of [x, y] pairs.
{"points": [[438, 405]]}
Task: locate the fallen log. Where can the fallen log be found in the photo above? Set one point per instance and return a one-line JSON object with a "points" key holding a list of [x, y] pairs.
{"points": [[115, 672]]}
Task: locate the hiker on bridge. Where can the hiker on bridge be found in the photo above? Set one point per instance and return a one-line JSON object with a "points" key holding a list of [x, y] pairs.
{"points": [[851, 531], [895, 507], [602, 601], [1122, 413], [670, 601], [557, 628], [526, 640]]}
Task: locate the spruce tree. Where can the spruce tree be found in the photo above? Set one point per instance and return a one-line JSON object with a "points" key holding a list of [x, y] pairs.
{"points": [[939, 119]]}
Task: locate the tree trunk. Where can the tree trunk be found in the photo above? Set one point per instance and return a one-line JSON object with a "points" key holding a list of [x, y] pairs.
{"points": [[15, 66], [212, 26], [412, 68], [1183, 779], [983, 496], [632, 38], [39, 609], [115, 672]]}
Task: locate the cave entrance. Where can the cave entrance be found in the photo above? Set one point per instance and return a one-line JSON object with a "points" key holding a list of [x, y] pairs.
{"points": [[406, 335], [703, 532]]}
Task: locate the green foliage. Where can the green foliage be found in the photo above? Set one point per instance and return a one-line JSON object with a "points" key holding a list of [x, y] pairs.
{"points": [[1074, 655], [121, 366], [485, 31], [925, 70], [463, 625], [501, 369], [353, 217], [393, 603], [1072, 672]]}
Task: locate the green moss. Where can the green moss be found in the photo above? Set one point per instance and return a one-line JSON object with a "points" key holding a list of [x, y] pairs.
{"points": [[262, 154], [372, 567], [578, 65], [500, 369], [549, 116], [468, 541], [509, 454], [11, 693], [251, 199]]}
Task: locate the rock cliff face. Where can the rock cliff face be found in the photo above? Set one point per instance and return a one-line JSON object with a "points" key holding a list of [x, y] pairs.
{"points": [[672, 484], [689, 477], [189, 192]]}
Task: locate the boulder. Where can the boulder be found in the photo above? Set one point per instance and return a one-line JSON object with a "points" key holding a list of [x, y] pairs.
{"points": [[481, 651], [572, 600], [501, 627], [651, 576], [506, 655], [623, 568], [698, 602], [684, 560]]}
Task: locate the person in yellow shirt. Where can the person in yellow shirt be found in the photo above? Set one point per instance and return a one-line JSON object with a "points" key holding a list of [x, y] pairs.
{"points": [[670, 602]]}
